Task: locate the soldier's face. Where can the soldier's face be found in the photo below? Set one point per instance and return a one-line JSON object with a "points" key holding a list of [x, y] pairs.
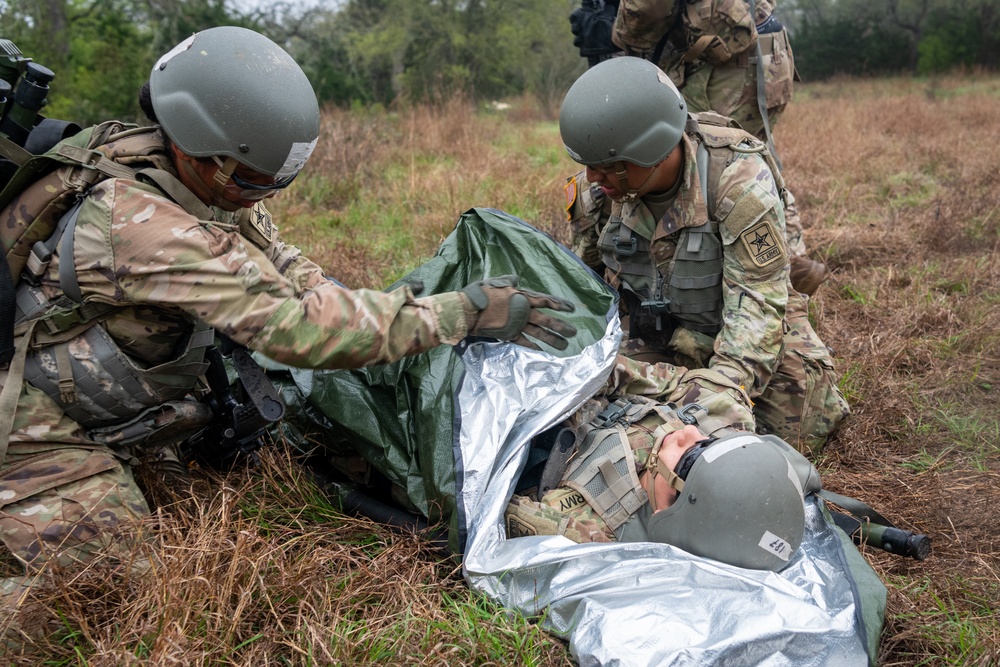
{"points": [[198, 174], [673, 447], [660, 177]]}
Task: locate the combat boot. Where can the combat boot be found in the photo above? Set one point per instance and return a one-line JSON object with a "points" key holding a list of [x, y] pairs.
{"points": [[807, 275]]}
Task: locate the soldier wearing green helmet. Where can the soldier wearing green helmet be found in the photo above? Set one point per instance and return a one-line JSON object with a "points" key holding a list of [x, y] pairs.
{"points": [[174, 245], [695, 244], [732, 57], [646, 471]]}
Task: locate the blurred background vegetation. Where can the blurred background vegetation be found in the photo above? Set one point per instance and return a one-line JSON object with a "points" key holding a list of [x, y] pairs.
{"points": [[390, 52]]}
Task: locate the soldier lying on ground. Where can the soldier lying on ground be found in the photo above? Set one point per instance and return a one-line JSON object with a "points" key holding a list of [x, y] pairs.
{"points": [[161, 260], [694, 243], [642, 471]]}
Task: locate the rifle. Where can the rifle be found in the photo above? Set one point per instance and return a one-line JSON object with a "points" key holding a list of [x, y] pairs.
{"points": [[888, 538], [866, 526], [243, 410]]}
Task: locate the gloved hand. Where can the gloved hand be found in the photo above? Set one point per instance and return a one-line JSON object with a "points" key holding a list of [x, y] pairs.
{"points": [[591, 25], [497, 309]]}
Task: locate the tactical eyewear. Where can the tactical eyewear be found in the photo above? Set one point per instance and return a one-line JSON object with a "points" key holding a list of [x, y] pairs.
{"points": [[690, 456], [255, 191]]}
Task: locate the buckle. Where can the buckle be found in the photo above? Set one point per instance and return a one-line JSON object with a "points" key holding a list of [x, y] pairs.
{"points": [[622, 250], [611, 414], [688, 412], [658, 307]]}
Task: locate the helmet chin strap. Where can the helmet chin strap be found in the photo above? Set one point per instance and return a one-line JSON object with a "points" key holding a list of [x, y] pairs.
{"points": [[222, 176], [631, 194]]}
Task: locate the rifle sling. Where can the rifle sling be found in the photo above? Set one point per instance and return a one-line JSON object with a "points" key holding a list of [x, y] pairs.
{"points": [[855, 507]]}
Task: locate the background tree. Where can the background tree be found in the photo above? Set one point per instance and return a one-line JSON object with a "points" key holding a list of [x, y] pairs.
{"points": [[393, 51], [916, 36]]}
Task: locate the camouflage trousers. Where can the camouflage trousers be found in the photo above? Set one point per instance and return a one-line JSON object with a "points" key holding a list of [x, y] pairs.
{"points": [[63, 499], [802, 403]]}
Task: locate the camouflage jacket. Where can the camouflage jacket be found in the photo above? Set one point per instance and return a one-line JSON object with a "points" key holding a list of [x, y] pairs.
{"points": [[137, 249], [754, 286]]}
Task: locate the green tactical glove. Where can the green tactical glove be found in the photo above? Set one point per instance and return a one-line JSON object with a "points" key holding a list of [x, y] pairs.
{"points": [[497, 309]]}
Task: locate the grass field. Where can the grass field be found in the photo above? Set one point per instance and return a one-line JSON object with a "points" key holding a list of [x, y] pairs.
{"points": [[898, 185]]}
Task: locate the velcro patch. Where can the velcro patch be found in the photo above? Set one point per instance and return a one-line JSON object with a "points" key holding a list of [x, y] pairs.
{"points": [[518, 528], [762, 244], [570, 197]]}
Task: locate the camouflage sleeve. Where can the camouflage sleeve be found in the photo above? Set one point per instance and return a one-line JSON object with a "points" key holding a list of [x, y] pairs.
{"points": [[726, 404], [587, 210], [640, 24], [257, 226], [755, 274], [164, 257], [639, 378]]}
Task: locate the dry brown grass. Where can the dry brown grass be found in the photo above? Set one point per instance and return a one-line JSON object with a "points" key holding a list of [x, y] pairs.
{"points": [[901, 186], [258, 570]]}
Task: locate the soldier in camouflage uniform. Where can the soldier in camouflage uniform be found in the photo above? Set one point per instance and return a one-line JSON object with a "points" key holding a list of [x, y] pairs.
{"points": [[694, 243], [162, 260], [709, 50], [636, 454]]}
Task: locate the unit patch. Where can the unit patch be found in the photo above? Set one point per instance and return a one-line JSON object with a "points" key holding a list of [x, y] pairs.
{"points": [[261, 220], [570, 197], [762, 244]]}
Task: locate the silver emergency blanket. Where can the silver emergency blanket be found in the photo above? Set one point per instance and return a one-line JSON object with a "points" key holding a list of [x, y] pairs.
{"points": [[640, 603]]}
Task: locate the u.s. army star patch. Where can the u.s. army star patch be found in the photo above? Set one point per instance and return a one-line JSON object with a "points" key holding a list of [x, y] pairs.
{"points": [[762, 244], [261, 220]]}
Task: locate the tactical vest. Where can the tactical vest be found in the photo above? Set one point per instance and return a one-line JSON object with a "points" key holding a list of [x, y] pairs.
{"points": [[605, 470], [684, 289], [70, 356]]}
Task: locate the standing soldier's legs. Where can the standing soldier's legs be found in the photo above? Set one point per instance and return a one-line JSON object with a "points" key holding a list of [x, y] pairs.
{"points": [[802, 403]]}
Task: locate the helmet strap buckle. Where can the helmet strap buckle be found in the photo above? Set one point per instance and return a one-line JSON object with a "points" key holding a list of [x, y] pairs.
{"points": [[223, 175]]}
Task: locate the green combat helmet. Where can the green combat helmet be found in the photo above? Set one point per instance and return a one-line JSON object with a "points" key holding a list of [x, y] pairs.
{"points": [[623, 109], [741, 503], [233, 93]]}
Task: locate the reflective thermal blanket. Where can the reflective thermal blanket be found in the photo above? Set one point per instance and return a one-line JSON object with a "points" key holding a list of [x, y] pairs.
{"points": [[452, 427]]}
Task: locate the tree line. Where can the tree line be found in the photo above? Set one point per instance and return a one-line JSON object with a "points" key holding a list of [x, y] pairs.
{"points": [[382, 52], [862, 37]]}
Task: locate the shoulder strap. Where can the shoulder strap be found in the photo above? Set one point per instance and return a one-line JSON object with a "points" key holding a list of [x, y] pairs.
{"points": [[762, 93], [11, 390]]}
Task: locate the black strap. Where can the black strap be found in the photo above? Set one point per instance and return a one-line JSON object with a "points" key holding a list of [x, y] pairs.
{"points": [[48, 133], [855, 507]]}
